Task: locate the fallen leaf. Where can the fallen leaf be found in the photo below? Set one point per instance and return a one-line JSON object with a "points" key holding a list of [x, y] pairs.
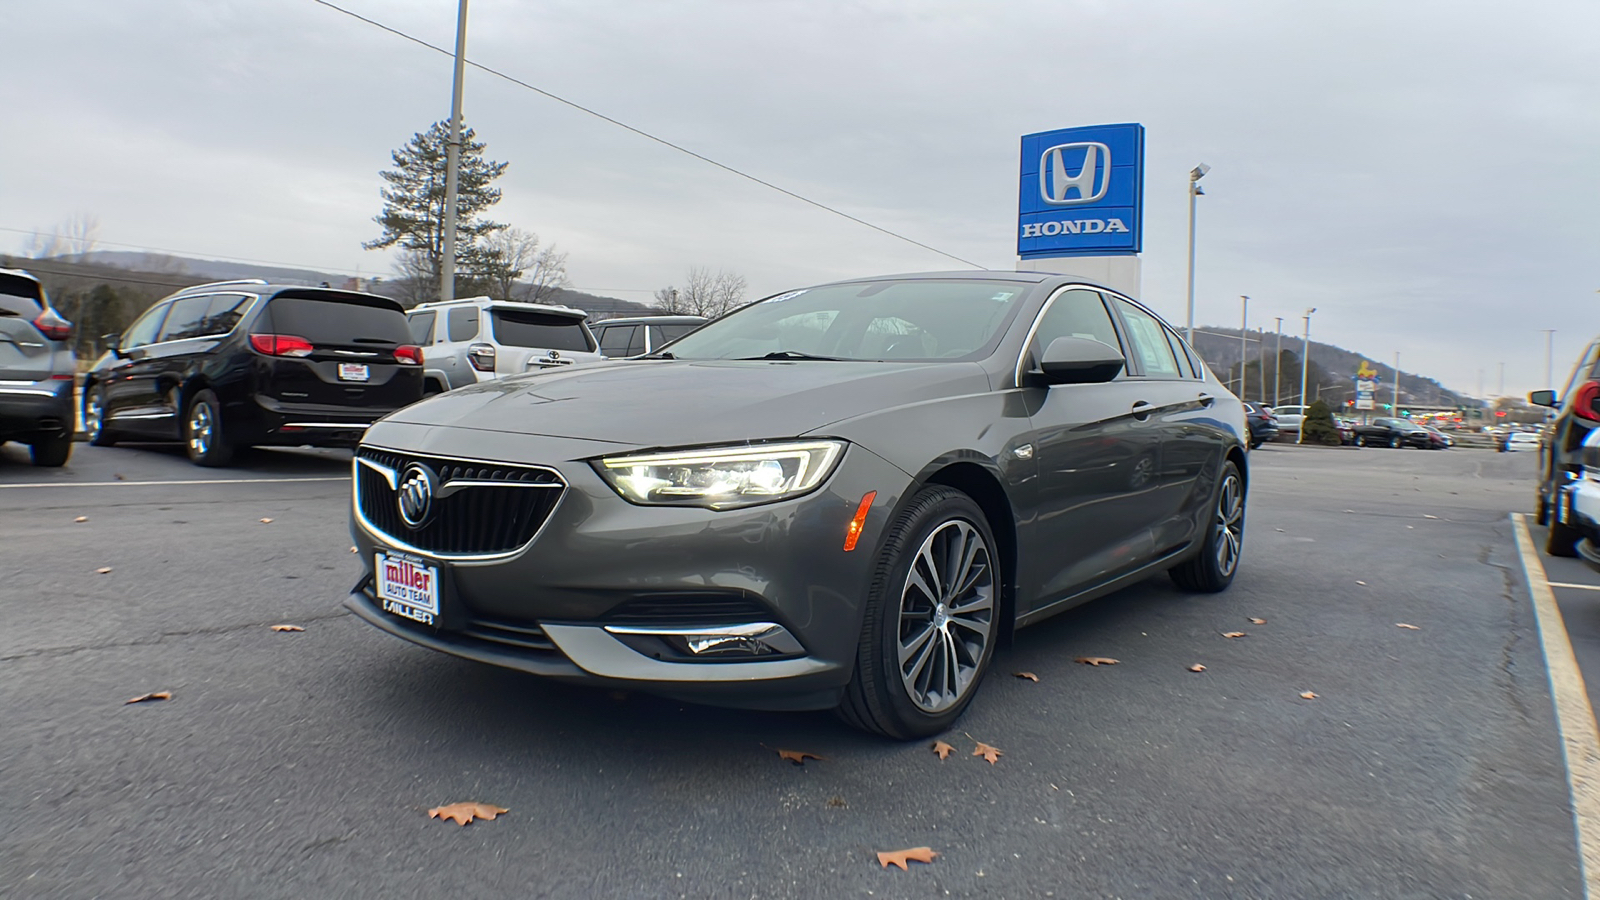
{"points": [[1028, 675], [287, 628], [465, 812], [158, 695], [1233, 634], [120, 477], [838, 802], [354, 550], [1256, 621], [944, 750], [104, 570], [992, 754], [266, 521], [81, 519], [1426, 516], [1097, 661], [1197, 668], [901, 857], [798, 757], [1362, 583], [1404, 625], [1307, 695]]}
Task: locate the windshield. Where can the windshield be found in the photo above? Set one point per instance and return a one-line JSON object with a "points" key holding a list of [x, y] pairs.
{"points": [[922, 320]]}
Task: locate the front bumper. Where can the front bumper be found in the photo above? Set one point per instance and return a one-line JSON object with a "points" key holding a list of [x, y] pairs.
{"points": [[32, 410], [557, 606]]}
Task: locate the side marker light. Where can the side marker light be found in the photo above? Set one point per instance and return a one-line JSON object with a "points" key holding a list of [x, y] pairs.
{"points": [[853, 534]]}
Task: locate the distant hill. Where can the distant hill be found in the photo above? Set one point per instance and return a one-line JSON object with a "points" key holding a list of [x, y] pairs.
{"points": [[1220, 349]]}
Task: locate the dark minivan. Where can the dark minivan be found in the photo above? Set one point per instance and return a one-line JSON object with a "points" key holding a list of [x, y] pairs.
{"points": [[244, 363]]}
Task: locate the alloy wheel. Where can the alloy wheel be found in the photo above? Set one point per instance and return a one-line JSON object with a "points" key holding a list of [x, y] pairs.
{"points": [[93, 416], [946, 616], [1230, 524], [202, 425]]}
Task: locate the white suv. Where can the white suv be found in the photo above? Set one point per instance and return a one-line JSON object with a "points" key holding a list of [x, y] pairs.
{"points": [[478, 339]]}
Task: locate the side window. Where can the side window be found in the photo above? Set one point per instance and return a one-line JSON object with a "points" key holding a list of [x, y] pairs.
{"points": [[656, 337], [422, 326], [614, 340], [462, 323], [673, 332], [186, 319], [635, 341], [143, 331], [1185, 365], [225, 312], [1149, 340], [1075, 314]]}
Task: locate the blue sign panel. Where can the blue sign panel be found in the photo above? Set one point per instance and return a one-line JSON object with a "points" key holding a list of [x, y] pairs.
{"points": [[1082, 192]]}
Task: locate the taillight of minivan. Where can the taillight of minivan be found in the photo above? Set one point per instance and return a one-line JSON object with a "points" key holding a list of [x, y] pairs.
{"points": [[281, 345], [408, 355]]}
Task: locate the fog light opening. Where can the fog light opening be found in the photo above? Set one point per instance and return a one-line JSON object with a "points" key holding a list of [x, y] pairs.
{"points": [[858, 521], [746, 641]]}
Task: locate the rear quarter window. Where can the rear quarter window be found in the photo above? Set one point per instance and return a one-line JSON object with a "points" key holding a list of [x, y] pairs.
{"points": [[335, 321], [545, 331], [20, 297]]}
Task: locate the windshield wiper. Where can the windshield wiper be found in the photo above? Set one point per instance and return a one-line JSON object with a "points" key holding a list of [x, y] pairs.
{"points": [[791, 354]]}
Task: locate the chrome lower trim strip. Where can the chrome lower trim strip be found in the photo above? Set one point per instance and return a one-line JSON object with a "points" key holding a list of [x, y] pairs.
{"points": [[338, 425], [41, 392], [159, 415]]}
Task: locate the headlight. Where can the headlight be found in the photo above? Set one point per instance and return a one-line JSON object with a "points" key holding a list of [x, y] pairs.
{"points": [[722, 477]]}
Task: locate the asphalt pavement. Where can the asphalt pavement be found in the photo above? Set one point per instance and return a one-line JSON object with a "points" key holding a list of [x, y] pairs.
{"points": [[302, 764]]}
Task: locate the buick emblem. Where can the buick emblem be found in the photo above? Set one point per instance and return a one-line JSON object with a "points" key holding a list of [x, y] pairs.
{"points": [[415, 496]]}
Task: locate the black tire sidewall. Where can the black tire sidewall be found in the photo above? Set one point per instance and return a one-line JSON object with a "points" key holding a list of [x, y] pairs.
{"points": [[51, 453], [101, 436], [219, 451]]}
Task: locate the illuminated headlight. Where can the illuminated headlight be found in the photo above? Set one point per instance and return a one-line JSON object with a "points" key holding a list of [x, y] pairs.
{"points": [[723, 477]]}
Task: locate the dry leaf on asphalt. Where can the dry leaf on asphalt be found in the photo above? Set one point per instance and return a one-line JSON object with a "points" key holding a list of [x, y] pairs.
{"points": [[354, 550], [1308, 695], [1097, 660], [992, 754], [944, 750], [287, 628], [158, 695], [266, 521], [1426, 516], [103, 570], [121, 477], [1028, 675], [466, 811], [1362, 583], [1256, 621], [1197, 668], [900, 857], [798, 757], [1233, 634], [1404, 625], [81, 519]]}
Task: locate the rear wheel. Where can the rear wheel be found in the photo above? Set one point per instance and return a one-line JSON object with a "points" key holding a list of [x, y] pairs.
{"points": [[51, 453], [1212, 569], [930, 622], [203, 435]]}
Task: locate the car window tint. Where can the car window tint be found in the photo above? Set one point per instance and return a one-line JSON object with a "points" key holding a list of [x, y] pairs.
{"points": [[1075, 314], [336, 321], [186, 319], [225, 312], [545, 331], [20, 297], [614, 340], [422, 326], [636, 342], [672, 332], [1184, 367], [1149, 341], [144, 330], [462, 323]]}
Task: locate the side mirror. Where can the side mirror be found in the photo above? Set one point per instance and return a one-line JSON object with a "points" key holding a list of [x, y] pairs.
{"points": [[1075, 360], [113, 343], [1543, 398]]}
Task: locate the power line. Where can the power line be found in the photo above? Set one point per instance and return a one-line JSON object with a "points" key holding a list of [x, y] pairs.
{"points": [[35, 270], [645, 134], [196, 254]]}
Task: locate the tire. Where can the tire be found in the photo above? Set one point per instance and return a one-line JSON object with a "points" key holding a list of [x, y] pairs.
{"points": [[51, 453], [941, 525], [1212, 569], [203, 436], [1562, 539], [1542, 514], [1394, 443], [94, 425]]}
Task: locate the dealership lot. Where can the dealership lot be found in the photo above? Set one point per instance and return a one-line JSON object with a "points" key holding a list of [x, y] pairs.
{"points": [[1428, 765]]}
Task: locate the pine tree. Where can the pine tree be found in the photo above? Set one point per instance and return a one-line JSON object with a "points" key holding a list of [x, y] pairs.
{"points": [[413, 209]]}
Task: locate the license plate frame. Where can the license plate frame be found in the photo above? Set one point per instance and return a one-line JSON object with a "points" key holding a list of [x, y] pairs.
{"points": [[407, 586], [354, 372]]}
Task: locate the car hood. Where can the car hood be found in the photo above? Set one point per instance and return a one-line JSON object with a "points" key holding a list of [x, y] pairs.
{"points": [[667, 403]]}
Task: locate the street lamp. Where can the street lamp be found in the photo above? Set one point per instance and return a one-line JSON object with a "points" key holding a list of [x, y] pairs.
{"points": [[1305, 369], [447, 266], [1277, 363], [1549, 338], [1195, 174], [1244, 342]]}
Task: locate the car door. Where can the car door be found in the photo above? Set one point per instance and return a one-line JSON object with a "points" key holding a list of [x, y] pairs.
{"points": [[1098, 459], [166, 362], [129, 381]]}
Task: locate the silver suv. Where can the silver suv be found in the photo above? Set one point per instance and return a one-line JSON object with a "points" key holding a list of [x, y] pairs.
{"points": [[36, 370], [478, 339]]}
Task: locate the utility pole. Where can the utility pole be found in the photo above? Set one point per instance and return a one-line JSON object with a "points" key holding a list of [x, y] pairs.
{"points": [[1244, 344], [1195, 174], [1277, 363], [1502, 381], [1305, 369], [1549, 339], [1261, 359], [447, 267]]}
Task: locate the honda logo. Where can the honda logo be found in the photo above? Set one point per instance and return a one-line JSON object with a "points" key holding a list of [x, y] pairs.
{"points": [[1059, 187]]}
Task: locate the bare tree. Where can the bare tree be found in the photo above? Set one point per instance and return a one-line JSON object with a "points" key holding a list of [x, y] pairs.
{"points": [[703, 293], [75, 238], [518, 268]]}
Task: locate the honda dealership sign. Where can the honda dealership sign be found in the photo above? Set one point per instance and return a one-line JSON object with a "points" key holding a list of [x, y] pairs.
{"points": [[1082, 192]]}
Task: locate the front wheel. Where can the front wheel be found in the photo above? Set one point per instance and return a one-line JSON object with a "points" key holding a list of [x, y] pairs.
{"points": [[203, 437], [94, 418], [1212, 569], [930, 621]]}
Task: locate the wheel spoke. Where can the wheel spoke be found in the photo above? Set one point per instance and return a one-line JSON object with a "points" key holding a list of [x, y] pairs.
{"points": [[919, 668], [907, 649]]}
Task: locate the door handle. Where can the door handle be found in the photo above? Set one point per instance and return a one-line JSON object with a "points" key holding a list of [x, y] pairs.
{"points": [[1142, 410], [1206, 400]]}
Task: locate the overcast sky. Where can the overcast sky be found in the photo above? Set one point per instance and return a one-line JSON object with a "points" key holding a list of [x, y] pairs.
{"points": [[1425, 174]]}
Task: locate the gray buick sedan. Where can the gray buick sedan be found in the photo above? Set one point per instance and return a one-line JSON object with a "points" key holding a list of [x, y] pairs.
{"points": [[839, 497]]}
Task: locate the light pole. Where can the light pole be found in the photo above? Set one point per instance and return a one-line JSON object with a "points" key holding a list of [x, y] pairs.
{"points": [[1502, 392], [452, 155], [1549, 339], [1396, 408], [1277, 363], [1305, 369], [1244, 343], [1195, 174]]}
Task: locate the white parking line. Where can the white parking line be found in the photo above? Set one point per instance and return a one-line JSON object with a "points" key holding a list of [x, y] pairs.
{"points": [[1580, 739], [56, 484]]}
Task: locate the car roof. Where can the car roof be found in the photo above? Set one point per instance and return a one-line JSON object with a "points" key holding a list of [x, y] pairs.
{"points": [[652, 320], [269, 290], [20, 273], [491, 303]]}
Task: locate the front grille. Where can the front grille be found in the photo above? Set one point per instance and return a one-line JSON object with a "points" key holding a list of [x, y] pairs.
{"points": [[525, 635], [501, 511], [708, 608]]}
